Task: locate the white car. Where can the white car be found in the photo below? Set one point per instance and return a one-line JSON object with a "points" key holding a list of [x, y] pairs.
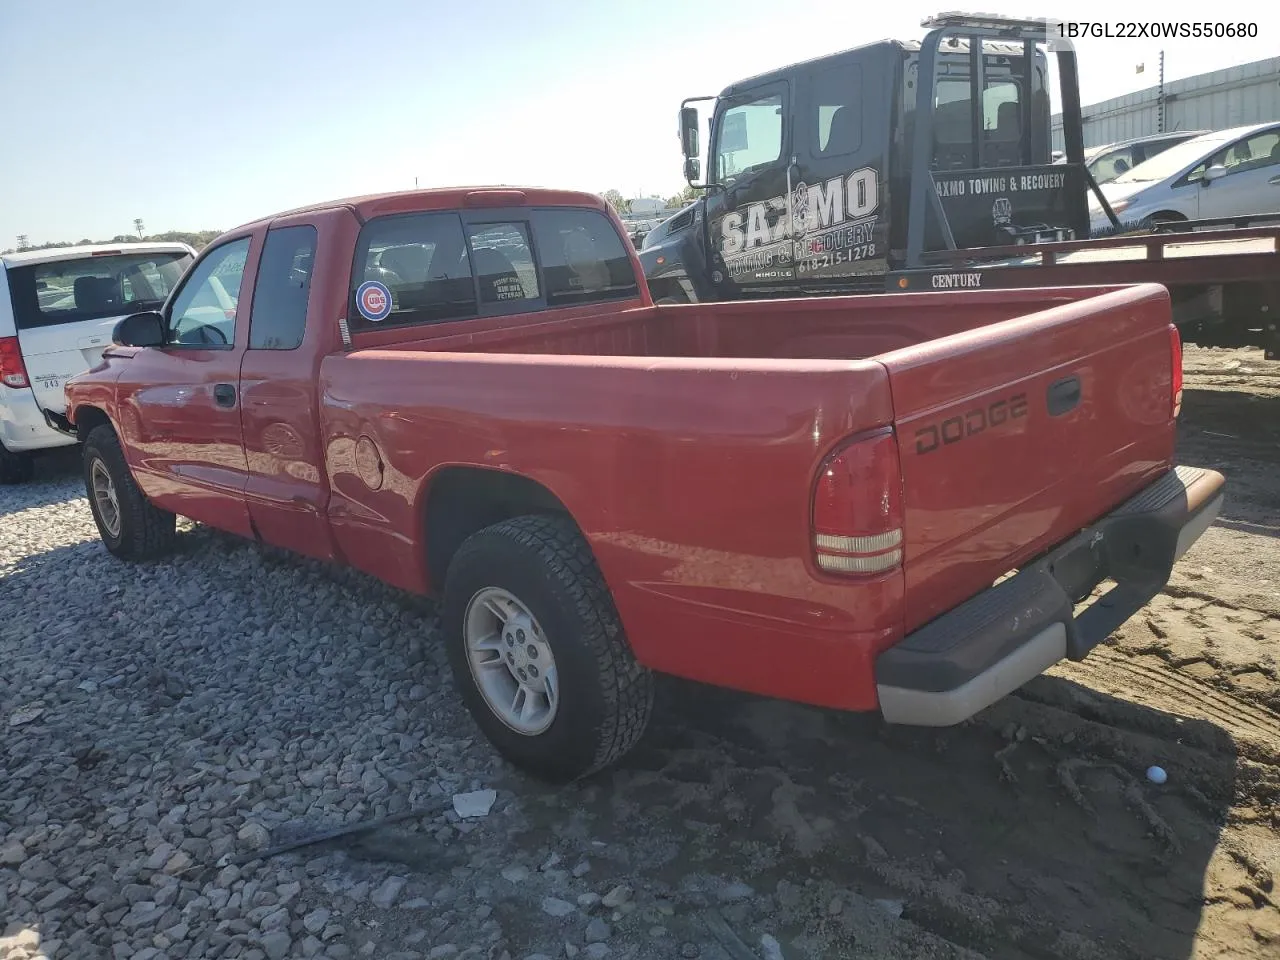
{"points": [[1227, 173], [58, 308]]}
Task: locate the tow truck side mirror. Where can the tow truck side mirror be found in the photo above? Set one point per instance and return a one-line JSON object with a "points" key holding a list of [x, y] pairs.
{"points": [[1213, 173], [140, 330], [689, 133], [692, 169]]}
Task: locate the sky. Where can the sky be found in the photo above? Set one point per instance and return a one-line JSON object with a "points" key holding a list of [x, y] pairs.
{"points": [[195, 116]]}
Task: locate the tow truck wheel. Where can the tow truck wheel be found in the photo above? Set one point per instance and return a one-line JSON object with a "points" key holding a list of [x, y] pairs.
{"points": [[15, 467], [537, 651], [130, 526]]}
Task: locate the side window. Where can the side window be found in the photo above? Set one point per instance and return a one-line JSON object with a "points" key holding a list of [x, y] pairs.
{"points": [[1002, 110], [583, 259], [411, 269], [278, 314], [952, 113], [1111, 165], [1261, 150], [503, 263], [750, 137], [204, 312], [835, 120]]}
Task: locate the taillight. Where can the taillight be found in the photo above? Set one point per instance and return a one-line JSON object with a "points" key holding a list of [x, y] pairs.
{"points": [[13, 372], [857, 507], [1175, 356]]}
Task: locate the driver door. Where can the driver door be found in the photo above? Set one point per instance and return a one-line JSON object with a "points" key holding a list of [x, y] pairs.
{"points": [[179, 404]]}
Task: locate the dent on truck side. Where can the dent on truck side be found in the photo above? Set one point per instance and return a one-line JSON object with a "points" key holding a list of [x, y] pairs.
{"points": [[698, 517]]}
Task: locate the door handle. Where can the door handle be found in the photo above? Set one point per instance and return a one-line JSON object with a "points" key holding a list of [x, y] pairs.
{"points": [[1275, 181], [224, 394]]}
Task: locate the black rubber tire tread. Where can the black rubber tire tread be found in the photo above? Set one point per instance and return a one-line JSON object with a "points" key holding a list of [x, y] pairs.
{"points": [[563, 587], [15, 467], [146, 531]]}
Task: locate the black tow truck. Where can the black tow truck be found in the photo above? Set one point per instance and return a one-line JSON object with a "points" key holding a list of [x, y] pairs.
{"points": [[905, 166]]}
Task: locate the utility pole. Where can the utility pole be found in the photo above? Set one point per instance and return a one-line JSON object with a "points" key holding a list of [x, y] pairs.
{"points": [[23, 240], [1160, 98], [137, 225]]}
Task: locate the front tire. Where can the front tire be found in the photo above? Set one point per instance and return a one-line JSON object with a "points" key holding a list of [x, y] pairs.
{"points": [[130, 526], [15, 467], [538, 653]]}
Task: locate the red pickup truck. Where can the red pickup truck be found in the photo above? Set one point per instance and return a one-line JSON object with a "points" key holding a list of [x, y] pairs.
{"points": [[895, 503]]}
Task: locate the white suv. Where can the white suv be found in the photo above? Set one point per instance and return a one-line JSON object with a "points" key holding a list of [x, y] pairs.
{"points": [[58, 308]]}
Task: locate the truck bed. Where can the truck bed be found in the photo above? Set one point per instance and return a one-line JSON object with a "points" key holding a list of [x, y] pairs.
{"points": [[831, 328]]}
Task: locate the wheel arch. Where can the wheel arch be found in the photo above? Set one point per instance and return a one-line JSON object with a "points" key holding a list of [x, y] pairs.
{"points": [[459, 500], [88, 419]]}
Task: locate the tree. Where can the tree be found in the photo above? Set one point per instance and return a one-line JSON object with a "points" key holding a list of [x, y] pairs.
{"points": [[683, 198], [22, 241], [615, 199]]}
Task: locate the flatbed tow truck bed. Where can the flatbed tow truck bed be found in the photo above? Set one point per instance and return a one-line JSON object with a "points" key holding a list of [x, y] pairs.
{"points": [[1193, 262]]}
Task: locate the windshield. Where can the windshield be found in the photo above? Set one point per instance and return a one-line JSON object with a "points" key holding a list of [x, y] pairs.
{"points": [[92, 288], [1169, 162]]}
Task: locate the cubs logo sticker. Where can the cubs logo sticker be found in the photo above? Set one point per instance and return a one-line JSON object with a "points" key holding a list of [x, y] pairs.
{"points": [[373, 300]]}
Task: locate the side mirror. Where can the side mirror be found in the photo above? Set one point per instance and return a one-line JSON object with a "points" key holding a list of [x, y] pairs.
{"points": [[1214, 172], [692, 169], [140, 330], [689, 132]]}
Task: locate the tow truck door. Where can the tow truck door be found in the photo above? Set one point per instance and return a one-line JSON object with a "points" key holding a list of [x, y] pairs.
{"points": [[747, 222], [841, 177]]}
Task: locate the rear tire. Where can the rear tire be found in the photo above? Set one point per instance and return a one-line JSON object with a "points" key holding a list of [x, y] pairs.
{"points": [[1151, 221], [526, 595], [130, 526], [15, 467]]}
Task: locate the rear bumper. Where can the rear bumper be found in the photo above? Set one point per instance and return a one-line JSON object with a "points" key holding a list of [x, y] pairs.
{"points": [[990, 645], [23, 425]]}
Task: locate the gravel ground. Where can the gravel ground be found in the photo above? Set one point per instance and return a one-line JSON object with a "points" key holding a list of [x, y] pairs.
{"points": [[166, 727]]}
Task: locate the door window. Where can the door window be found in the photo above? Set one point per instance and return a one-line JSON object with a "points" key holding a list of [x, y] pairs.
{"points": [[204, 312], [835, 111], [750, 137], [1260, 150]]}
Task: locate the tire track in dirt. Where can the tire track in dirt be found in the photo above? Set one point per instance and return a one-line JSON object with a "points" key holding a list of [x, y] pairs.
{"points": [[1168, 689]]}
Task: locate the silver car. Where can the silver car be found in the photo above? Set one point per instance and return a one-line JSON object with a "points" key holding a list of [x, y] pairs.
{"points": [[1227, 173]]}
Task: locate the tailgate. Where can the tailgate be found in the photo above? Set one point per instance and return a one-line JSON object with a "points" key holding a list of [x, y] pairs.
{"points": [[53, 354], [1015, 435]]}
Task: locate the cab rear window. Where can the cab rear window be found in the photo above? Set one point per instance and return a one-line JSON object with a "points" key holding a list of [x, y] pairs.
{"points": [[93, 288], [435, 267]]}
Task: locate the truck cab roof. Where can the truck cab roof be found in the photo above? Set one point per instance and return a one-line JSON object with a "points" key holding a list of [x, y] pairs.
{"points": [[53, 254], [372, 205], [900, 48]]}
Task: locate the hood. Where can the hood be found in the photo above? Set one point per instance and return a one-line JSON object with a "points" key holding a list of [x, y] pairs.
{"points": [[1115, 192]]}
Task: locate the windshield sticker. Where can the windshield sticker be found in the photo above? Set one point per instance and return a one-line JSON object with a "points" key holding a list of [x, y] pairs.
{"points": [[373, 300], [830, 224]]}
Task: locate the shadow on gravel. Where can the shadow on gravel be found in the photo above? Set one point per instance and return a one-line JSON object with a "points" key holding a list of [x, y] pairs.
{"points": [[1029, 832], [53, 472]]}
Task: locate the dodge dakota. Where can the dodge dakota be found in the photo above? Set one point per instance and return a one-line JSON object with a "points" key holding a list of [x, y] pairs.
{"points": [[908, 503]]}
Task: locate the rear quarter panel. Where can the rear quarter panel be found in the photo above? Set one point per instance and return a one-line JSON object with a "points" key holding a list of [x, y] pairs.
{"points": [[690, 478]]}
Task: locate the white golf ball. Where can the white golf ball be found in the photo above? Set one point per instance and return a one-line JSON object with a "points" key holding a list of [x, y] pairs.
{"points": [[1157, 774]]}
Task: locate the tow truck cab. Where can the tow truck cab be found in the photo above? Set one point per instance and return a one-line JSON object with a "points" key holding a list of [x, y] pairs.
{"points": [[819, 172]]}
